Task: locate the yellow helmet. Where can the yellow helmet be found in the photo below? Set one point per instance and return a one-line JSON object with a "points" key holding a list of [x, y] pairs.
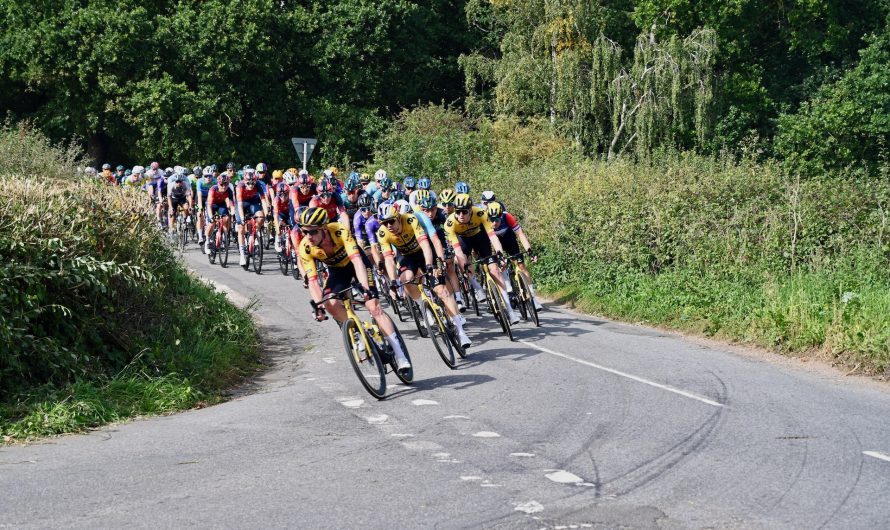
{"points": [[494, 210], [420, 195], [293, 170], [277, 174], [447, 196], [463, 200], [314, 217]]}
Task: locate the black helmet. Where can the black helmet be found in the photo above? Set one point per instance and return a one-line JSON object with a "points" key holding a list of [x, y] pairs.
{"points": [[364, 201]]}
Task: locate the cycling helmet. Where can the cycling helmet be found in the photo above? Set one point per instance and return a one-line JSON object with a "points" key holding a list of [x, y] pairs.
{"points": [[155, 165], [352, 184], [334, 171], [327, 173], [364, 201], [262, 167], [379, 175], [230, 165], [410, 182], [403, 206], [197, 170], [249, 175], [364, 178], [398, 195], [299, 213], [386, 184], [427, 202], [290, 178], [325, 187], [494, 211], [447, 196], [303, 179], [281, 189], [138, 170], [119, 168], [314, 217], [463, 201], [387, 211], [424, 184], [462, 187], [293, 170], [208, 171], [177, 178], [168, 171], [127, 173], [277, 174], [488, 196], [223, 179], [420, 195], [213, 168]]}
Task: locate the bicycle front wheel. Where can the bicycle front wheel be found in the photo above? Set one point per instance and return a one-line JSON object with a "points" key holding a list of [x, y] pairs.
{"points": [[258, 252], [438, 331], [528, 301], [223, 251], [414, 308], [364, 359], [499, 306]]}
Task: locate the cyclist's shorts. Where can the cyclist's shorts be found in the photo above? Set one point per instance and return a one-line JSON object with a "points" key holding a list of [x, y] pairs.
{"points": [[479, 243], [177, 203], [217, 209], [286, 218], [340, 278], [511, 244], [250, 209], [416, 264]]}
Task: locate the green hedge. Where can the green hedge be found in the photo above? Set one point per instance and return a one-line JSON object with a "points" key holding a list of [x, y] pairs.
{"points": [[93, 302], [730, 248]]}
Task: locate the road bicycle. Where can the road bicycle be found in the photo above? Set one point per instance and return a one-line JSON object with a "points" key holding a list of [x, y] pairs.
{"points": [[219, 241], [496, 303], [255, 237], [287, 258], [438, 324], [368, 351], [522, 293], [466, 289]]}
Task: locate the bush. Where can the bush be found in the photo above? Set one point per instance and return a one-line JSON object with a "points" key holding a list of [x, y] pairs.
{"points": [[736, 249], [90, 295]]}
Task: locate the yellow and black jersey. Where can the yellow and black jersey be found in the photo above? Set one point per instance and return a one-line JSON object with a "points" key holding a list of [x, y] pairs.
{"points": [[478, 222], [407, 242], [345, 248]]}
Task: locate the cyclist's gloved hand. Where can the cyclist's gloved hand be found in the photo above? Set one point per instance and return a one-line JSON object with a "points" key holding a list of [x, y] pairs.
{"points": [[429, 270], [533, 254]]}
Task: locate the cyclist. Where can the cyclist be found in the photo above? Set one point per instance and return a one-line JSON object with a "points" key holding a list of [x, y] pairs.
{"points": [[328, 199], [332, 244], [385, 187], [462, 187], [179, 193], [120, 173], [136, 178], [158, 189], [220, 201], [230, 171], [423, 184], [365, 180], [262, 173], [373, 187], [404, 232], [489, 197], [410, 184], [507, 228], [427, 204], [464, 229], [446, 201], [361, 218], [202, 190], [107, 175], [281, 211], [352, 190], [303, 191], [250, 198]]}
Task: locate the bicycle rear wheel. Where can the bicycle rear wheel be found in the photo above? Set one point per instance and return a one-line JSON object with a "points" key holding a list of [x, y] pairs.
{"points": [[364, 359], [438, 331], [417, 315], [407, 376], [518, 296], [258, 251], [528, 301], [500, 307], [223, 251]]}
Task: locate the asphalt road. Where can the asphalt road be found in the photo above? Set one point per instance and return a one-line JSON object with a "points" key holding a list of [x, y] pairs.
{"points": [[581, 423]]}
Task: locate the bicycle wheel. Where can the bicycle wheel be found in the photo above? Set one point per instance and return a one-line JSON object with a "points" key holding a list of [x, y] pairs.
{"points": [[258, 251], [283, 262], [295, 269], [414, 308], [211, 256], [518, 296], [223, 251], [528, 301], [437, 330], [495, 298], [183, 233], [364, 359], [408, 376]]}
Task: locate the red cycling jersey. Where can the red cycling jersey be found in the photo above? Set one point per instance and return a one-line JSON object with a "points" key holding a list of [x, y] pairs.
{"points": [[218, 196]]}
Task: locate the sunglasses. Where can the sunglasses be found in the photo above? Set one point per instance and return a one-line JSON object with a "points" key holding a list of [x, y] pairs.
{"points": [[364, 209], [388, 222], [324, 195], [311, 232], [462, 211]]}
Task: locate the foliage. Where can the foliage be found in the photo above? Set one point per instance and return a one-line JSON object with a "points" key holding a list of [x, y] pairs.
{"points": [[86, 290], [733, 248], [846, 125]]}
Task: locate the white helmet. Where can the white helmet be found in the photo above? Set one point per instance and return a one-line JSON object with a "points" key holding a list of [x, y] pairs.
{"points": [[403, 206], [290, 178], [304, 173], [328, 173], [488, 196], [379, 175], [90, 171], [138, 170], [208, 171]]}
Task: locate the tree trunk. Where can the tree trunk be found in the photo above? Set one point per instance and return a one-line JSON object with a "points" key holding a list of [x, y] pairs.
{"points": [[97, 148]]}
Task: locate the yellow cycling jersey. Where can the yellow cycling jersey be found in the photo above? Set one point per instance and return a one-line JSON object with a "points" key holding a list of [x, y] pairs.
{"points": [[478, 221], [345, 248], [408, 242]]}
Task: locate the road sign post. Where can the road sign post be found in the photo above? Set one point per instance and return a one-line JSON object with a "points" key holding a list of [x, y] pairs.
{"points": [[304, 148]]}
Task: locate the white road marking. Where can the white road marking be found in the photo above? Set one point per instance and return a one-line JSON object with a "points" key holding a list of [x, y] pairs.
{"points": [[524, 455], [564, 477], [486, 434], [470, 477], [401, 435], [490, 485], [441, 455], [422, 402], [875, 454], [625, 375], [456, 417], [421, 445], [329, 360], [352, 403], [378, 419], [528, 507]]}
